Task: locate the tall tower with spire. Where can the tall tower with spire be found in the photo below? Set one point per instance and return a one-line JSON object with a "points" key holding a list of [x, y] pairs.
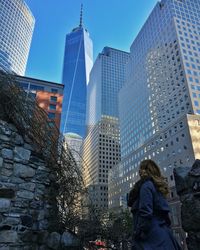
{"points": [[78, 61]]}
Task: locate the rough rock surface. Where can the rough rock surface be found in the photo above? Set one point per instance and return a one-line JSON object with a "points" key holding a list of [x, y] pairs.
{"points": [[188, 188], [24, 197]]}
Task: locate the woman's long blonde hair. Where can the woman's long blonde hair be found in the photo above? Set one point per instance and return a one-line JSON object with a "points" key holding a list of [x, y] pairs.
{"points": [[149, 168]]}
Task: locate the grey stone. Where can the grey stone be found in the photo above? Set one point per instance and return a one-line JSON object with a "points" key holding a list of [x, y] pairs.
{"points": [[21, 154], [27, 139], [35, 226], [188, 185], [3, 123], [32, 247], [41, 187], [29, 147], [4, 178], [8, 237], [68, 239], [4, 138], [53, 240], [43, 168], [42, 177], [16, 180], [7, 153], [1, 162], [42, 247], [18, 139], [1, 218], [43, 224], [190, 214], [36, 160], [27, 186], [25, 194], [11, 221], [6, 172], [39, 194], [4, 247], [16, 210], [12, 127], [7, 185], [23, 171], [195, 171], [21, 203], [181, 178], [8, 165], [37, 204], [4, 205], [4, 129], [13, 215], [41, 215], [27, 236]]}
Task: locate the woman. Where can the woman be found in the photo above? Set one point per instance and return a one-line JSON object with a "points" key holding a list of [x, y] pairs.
{"points": [[150, 210]]}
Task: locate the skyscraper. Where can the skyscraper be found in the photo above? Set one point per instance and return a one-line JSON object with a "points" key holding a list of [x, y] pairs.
{"points": [[78, 61], [16, 30], [160, 101], [101, 147]]}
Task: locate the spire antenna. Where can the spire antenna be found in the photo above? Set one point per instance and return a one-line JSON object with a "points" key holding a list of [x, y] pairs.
{"points": [[81, 17]]}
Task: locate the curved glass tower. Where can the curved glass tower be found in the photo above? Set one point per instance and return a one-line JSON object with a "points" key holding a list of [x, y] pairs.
{"points": [[16, 30], [78, 61]]}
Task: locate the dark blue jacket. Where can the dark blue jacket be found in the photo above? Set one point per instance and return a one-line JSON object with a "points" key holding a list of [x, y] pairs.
{"points": [[151, 221]]}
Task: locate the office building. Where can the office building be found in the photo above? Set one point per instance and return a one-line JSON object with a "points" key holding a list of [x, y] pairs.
{"points": [[74, 143], [49, 95], [16, 30], [78, 61], [101, 147], [160, 101]]}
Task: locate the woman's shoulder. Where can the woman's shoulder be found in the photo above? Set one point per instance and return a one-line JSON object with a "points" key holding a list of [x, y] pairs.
{"points": [[148, 184]]}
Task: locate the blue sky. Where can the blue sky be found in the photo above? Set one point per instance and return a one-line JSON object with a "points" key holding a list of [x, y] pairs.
{"points": [[113, 23]]}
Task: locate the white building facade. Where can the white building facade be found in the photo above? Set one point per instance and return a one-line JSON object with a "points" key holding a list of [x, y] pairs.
{"points": [[16, 30]]}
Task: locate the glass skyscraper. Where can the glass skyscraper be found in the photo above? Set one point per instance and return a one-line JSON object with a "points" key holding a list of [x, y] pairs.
{"points": [[106, 79], [16, 30], [78, 61], [159, 104], [101, 147]]}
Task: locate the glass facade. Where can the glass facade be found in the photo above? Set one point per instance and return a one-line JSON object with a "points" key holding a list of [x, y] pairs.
{"points": [[106, 79], [160, 99], [164, 73], [78, 61], [16, 29], [101, 147]]}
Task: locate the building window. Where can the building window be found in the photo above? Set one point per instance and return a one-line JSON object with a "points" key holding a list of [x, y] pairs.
{"points": [[53, 98], [54, 90], [52, 107], [36, 87], [51, 115], [196, 103]]}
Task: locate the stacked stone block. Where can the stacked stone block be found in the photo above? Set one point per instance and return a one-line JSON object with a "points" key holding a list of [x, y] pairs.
{"points": [[188, 188], [24, 197]]}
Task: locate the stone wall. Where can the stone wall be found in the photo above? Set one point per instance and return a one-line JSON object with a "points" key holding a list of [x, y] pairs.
{"points": [[25, 194], [188, 188]]}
